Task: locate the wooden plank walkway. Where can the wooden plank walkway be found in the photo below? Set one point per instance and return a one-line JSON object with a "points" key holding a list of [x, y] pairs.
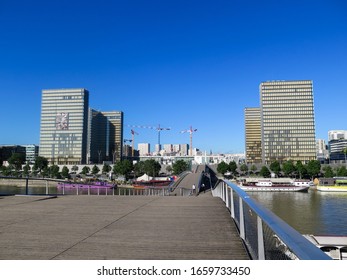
{"points": [[117, 227]]}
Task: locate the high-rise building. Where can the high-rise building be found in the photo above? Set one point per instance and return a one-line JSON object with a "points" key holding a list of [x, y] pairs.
{"points": [[253, 135], [105, 136], [64, 121], [287, 121], [144, 149]]}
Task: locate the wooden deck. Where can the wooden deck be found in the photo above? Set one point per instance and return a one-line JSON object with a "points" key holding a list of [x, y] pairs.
{"points": [[118, 227]]}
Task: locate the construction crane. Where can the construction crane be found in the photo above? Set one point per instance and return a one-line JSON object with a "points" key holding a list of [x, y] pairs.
{"points": [[190, 131], [157, 128]]}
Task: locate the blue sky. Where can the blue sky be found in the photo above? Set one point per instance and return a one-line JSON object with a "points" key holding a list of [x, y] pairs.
{"points": [[174, 63]]}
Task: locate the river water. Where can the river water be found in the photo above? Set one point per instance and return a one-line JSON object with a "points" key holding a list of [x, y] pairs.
{"points": [[314, 212], [310, 212]]}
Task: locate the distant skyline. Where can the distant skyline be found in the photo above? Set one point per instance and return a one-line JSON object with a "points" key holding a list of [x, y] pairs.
{"points": [[171, 63]]}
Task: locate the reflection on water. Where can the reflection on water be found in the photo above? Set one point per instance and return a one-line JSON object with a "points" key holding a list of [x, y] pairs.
{"points": [[309, 213]]}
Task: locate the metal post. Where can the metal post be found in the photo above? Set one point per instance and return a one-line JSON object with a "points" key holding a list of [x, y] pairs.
{"points": [[88, 190], [261, 251], [77, 190], [63, 189], [26, 186], [46, 187], [227, 197], [242, 220], [232, 210]]}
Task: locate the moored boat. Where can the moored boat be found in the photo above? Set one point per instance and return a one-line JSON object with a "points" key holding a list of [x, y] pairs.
{"points": [[337, 184], [91, 185], [275, 185]]}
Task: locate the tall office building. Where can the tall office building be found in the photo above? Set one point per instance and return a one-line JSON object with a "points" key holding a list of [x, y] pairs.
{"points": [[105, 136], [63, 130], [287, 121], [253, 135]]}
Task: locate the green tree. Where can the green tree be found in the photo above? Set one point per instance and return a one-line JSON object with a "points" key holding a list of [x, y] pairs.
{"points": [[345, 153], [139, 168], [17, 159], [123, 167], [265, 172], [341, 171], [254, 169], [26, 169], [169, 169], [275, 167], [244, 168], [85, 170], [152, 167], [288, 168], [54, 171], [179, 166], [300, 169], [40, 163], [223, 168], [328, 171], [106, 168], [313, 168], [95, 170], [65, 172], [233, 167]]}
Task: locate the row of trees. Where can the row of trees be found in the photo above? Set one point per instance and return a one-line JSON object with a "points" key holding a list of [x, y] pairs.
{"points": [[310, 170], [125, 168]]}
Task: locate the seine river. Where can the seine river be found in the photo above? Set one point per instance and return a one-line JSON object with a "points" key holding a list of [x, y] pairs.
{"points": [[314, 212], [309, 213]]}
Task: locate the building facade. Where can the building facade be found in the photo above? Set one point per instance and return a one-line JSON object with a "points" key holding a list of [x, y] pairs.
{"points": [[287, 121], [105, 136], [31, 152], [337, 146], [253, 136], [64, 123], [144, 149]]}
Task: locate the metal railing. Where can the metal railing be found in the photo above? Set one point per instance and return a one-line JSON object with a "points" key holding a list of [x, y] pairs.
{"points": [[265, 235]]}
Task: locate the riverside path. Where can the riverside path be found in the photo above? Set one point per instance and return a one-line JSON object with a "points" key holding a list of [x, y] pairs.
{"points": [[117, 227]]}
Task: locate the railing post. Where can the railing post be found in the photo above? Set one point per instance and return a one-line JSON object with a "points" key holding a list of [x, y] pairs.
{"points": [[63, 189], [261, 251], [46, 187], [227, 196], [232, 210], [77, 190], [242, 220], [88, 190]]}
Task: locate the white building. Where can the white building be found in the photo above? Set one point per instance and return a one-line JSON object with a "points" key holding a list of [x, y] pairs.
{"points": [[144, 149]]}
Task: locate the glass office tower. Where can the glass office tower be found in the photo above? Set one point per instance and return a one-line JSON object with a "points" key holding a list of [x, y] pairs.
{"points": [[63, 130], [287, 121]]}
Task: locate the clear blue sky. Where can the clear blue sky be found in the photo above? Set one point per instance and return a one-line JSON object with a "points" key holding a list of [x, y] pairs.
{"points": [[174, 63]]}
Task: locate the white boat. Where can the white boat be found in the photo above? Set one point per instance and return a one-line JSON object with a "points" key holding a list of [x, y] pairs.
{"points": [[275, 185], [337, 184], [334, 246]]}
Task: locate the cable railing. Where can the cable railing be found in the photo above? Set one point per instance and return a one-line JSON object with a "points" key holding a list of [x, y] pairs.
{"points": [[265, 235]]}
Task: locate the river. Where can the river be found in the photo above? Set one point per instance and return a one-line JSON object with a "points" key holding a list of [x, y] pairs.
{"points": [[314, 212]]}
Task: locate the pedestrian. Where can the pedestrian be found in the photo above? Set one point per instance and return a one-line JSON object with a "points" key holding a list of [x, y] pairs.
{"points": [[193, 189]]}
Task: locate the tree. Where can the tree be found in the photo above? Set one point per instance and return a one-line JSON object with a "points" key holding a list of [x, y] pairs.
{"points": [[169, 169], [40, 163], [313, 168], [345, 153], [341, 171], [244, 168], [301, 169], [85, 170], [139, 169], [123, 167], [17, 159], [106, 168], [288, 168], [179, 166], [254, 169], [152, 167], [265, 172], [328, 172], [233, 167], [65, 172], [26, 169], [95, 170], [54, 171], [275, 167], [223, 168]]}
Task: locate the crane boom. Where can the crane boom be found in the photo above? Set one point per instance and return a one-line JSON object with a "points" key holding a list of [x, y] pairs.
{"points": [[191, 130]]}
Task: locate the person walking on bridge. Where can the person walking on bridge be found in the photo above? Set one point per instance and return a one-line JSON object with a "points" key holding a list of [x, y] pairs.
{"points": [[193, 189]]}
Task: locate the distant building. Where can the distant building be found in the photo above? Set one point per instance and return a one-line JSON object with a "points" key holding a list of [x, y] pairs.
{"points": [[64, 123], [6, 151], [287, 121], [105, 136], [31, 152], [144, 149], [322, 150], [253, 135], [337, 145], [184, 148]]}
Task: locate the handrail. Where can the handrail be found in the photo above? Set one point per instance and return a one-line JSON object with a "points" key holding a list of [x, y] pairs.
{"points": [[266, 235]]}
